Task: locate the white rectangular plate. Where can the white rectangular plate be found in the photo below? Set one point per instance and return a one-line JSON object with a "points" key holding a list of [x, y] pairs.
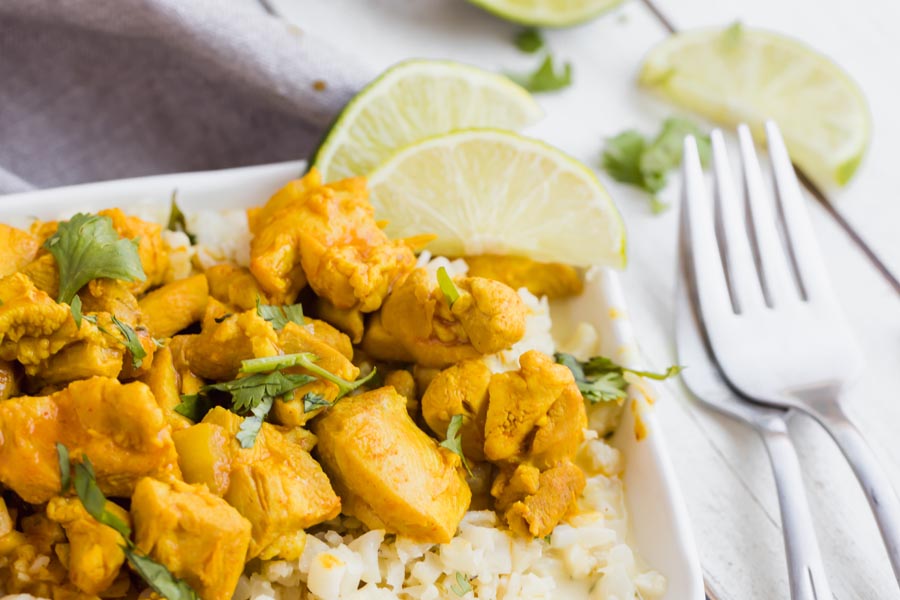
{"points": [[659, 520]]}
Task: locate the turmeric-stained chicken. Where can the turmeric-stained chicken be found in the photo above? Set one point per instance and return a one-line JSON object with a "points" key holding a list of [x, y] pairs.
{"points": [[167, 422]]}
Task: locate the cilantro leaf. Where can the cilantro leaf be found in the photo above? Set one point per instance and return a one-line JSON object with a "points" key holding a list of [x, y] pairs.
{"points": [[545, 78], [248, 392], [93, 500], [87, 247], [159, 577], [462, 585], [305, 360], [280, 316], [177, 221], [601, 380], [313, 402], [622, 157], [529, 40], [194, 406], [75, 307], [447, 286], [251, 425], [453, 443], [132, 342], [664, 154], [65, 467]]}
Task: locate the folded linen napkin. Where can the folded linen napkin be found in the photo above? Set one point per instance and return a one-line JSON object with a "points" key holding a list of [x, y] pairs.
{"points": [[103, 89]]}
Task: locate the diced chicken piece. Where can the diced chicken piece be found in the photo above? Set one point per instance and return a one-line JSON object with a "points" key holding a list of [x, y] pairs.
{"points": [[221, 346], [17, 249], [188, 382], [535, 414], [403, 383], [553, 280], [162, 379], [10, 380], [197, 535], [119, 427], [114, 297], [293, 339], [534, 502], [278, 486], [99, 356], [326, 234], [348, 320], [44, 273], [460, 390], [331, 336], [487, 317], [235, 286], [174, 306], [388, 472], [28, 564], [95, 549], [7, 523]]}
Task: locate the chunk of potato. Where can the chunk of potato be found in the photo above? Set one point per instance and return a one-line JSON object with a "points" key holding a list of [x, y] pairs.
{"points": [[204, 455]]}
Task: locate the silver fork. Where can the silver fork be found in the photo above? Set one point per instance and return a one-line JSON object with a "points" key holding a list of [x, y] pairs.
{"points": [[768, 309], [806, 572]]}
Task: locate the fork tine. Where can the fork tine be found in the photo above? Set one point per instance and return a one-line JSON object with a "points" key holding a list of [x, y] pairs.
{"points": [[778, 284], [807, 256], [703, 252], [737, 258]]}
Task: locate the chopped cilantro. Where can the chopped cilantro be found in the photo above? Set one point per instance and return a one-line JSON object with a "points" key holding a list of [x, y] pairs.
{"points": [[545, 78], [454, 440], [251, 425], [65, 467], [601, 380], [280, 316], [462, 585], [132, 342], [305, 360], [75, 307], [529, 40], [87, 247], [177, 221], [313, 402]]}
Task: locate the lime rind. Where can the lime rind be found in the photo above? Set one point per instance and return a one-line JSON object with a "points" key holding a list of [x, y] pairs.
{"points": [[542, 13], [495, 223], [827, 157], [412, 100]]}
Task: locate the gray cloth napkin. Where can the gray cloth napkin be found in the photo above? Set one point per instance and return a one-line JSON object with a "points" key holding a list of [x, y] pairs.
{"points": [[103, 89]]}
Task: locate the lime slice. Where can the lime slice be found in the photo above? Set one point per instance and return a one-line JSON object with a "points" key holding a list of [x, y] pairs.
{"points": [[745, 75], [486, 191], [414, 100], [547, 13]]}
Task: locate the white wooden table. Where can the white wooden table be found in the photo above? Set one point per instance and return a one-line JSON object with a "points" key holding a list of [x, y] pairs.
{"points": [[721, 465]]}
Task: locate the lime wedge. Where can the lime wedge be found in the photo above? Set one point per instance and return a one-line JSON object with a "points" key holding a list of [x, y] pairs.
{"points": [[745, 75], [547, 13], [485, 191], [414, 100]]}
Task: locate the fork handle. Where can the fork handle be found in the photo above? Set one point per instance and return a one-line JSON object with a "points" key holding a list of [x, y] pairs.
{"points": [[806, 572], [882, 498]]}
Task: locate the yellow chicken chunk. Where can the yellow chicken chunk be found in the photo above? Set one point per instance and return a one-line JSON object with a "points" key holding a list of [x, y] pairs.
{"points": [[388, 472], [44, 273], [174, 306], [162, 379], [113, 297], [32, 325], [348, 320], [119, 427], [460, 390], [535, 414], [487, 317], [17, 249], [278, 486], [95, 549], [9, 380], [219, 349], [326, 235], [235, 286], [553, 280], [294, 339], [197, 535], [534, 502]]}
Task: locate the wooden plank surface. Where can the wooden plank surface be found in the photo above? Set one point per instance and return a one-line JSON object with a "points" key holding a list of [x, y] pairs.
{"points": [[723, 471]]}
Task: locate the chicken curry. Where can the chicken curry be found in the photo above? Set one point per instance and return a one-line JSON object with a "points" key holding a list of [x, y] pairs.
{"points": [[161, 432]]}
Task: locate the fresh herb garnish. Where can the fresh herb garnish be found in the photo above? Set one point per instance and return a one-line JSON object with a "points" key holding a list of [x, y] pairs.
{"points": [[75, 307], [529, 40], [732, 36], [632, 159], [194, 406], [280, 316], [132, 342], [601, 380], [87, 247], [545, 78], [177, 222], [453, 442], [447, 286], [462, 585], [305, 360], [157, 575], [248, 392], [313, 402], [65, 467], [251, 425]]}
